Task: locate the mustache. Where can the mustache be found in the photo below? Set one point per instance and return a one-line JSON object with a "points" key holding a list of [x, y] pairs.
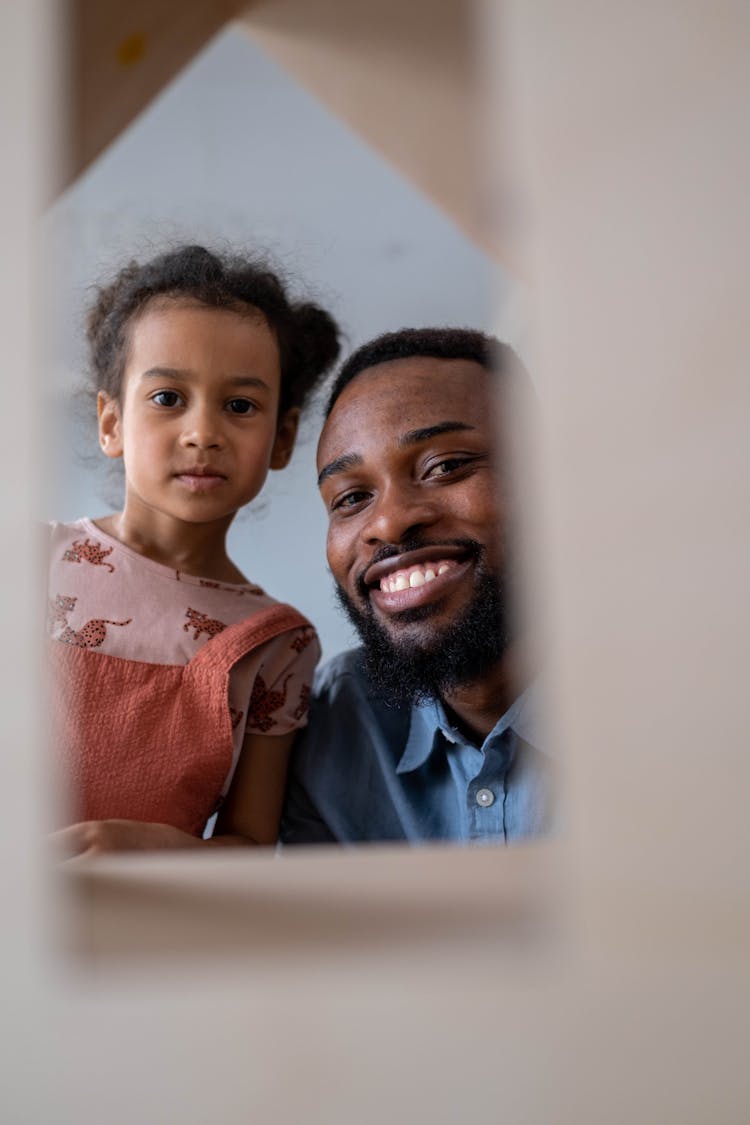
{"points": [[414, 543]]}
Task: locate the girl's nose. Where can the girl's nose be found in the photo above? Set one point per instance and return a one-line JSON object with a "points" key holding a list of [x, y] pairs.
{"points": [[398, 513], [202, 430]]}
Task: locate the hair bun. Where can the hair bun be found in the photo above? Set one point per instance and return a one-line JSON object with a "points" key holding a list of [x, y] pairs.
{"points": [[318, 337]]}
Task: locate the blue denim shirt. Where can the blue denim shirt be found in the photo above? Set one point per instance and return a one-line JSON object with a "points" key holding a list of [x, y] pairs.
{"points": [[365, 771]]}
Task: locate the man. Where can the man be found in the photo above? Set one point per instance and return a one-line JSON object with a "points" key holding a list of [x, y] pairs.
{"points": [[429, 731]]}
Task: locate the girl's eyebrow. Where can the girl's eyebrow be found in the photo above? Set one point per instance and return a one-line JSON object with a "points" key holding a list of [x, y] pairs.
{"points": [[184, 375]]}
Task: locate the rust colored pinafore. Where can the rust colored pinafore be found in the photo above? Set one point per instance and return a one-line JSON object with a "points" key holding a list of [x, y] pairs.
{"points": [[152, 742]]}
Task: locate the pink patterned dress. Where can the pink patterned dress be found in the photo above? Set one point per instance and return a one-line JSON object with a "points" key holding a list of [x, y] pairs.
{"points": [[157, 677]]}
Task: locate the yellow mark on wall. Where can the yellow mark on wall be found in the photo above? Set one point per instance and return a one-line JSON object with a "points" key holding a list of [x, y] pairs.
{"points": [[132, 49]]}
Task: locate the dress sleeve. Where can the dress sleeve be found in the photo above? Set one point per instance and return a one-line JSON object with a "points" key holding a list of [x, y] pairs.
{"points": [[280, 695]]}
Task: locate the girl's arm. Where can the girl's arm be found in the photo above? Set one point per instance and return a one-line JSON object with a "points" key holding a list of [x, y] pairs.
{"points": [[93, 837], [249, 817], [251, 811]]}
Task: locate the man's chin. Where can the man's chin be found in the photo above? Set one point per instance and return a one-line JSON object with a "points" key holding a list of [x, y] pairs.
{"points": [[407, 631], [415, 656], [423, 625]]}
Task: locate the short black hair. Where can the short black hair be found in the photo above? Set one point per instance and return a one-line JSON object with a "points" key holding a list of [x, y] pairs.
{"points": [[438, 343], [307, 336]]}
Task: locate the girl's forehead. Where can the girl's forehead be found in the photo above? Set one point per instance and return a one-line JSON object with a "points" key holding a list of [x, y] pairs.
{"points": [[177, 329], [172, 308]]}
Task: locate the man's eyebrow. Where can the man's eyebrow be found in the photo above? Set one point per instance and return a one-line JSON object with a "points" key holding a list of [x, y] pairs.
{"points": [[339, 465], [184, 374], [413, 437]]}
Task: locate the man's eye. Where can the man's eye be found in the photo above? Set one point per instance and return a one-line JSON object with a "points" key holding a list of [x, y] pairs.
{"points": [[240, 406], [166, 398], [348, 500], [447, 466]]}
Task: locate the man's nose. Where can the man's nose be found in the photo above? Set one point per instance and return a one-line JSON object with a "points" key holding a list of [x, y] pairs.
{"points": [[202, 429], [398, 512]]}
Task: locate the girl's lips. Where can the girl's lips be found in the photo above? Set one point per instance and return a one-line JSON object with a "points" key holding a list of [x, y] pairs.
{"points": [[201, 482], [397, 601]]}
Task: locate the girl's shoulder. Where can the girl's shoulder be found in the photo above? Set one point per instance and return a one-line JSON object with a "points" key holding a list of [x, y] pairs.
{"points": [[70, 539], [151, 612], [66, 529], [81, 542]]}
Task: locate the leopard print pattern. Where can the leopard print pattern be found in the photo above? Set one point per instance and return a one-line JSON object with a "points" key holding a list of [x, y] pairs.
{"points": [[263, 703], [92, 635], [201, 623], [89, 551], [305, 636], [58, 611], [304, 702]]}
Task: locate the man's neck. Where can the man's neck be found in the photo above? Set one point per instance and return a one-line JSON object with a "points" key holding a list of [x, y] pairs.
{"points": [[475, 708]]}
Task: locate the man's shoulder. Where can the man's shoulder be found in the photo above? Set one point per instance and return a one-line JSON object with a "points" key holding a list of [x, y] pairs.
{"points": [[344, 704], [343, 672], [343, 783], [344, 677]]}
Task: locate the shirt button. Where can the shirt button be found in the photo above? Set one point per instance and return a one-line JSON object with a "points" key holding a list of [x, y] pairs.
{"points": [[485, 798]]}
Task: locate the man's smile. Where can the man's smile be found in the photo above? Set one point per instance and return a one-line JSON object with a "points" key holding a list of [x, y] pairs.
{"points": [[430, 557], [415, 578], [418, 586]]}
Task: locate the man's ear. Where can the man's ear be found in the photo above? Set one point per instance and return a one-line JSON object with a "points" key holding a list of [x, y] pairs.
{"points": [[286, 435], [110, 424]]}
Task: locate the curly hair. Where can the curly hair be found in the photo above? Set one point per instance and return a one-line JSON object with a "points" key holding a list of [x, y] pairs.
{"points": [[438, 343], [307, 336]]}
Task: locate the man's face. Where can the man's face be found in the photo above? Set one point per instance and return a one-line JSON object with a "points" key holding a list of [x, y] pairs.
{"points": [[408, 474]]}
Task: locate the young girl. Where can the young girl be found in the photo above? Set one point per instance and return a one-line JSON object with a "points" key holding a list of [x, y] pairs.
{"points": [[177, 685]]}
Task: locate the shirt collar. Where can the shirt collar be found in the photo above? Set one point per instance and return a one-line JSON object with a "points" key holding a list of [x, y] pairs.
{"points": [[428, 721]]}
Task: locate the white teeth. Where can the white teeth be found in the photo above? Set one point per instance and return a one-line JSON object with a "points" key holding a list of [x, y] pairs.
{"points": [[412, 578]]}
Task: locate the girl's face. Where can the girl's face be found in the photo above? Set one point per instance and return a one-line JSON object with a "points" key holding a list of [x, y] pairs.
{"points": [[197, 421]]}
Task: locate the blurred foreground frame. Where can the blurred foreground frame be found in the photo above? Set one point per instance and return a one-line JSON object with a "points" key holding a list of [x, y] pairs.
{"points": [[389, 70], [329, 902]]}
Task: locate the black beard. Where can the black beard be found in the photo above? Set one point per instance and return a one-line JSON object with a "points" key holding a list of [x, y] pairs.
{"points": [[406, 671]]}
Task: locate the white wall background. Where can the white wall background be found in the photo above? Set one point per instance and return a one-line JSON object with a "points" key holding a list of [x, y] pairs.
{"points": [[235, 152]]}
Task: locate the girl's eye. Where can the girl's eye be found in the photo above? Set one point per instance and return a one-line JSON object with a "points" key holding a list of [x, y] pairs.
{"points": [[166, 398], [240, 406]]}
